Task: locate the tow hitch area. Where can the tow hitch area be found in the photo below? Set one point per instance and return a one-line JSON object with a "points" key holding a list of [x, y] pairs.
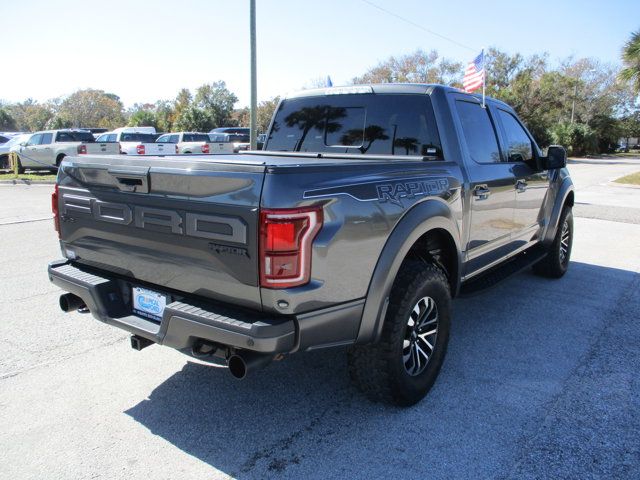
{"points": [[138, 343]]}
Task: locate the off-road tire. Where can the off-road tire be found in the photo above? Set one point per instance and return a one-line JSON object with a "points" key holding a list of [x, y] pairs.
{"points": [[554, 265], [378, 370]]}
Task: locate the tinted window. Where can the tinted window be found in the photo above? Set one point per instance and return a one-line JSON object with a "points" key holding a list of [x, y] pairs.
{"points": [[35, 139], [64, 137], [380, 124], [236, 137], [3, 139], [213, 137], [86, 137], [195, 137], [479, 134], [174, 138], [138, 137], [238, 130], [46, 138], [518, 142]]}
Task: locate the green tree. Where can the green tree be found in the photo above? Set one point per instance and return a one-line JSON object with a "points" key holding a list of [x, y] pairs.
{"points": [[58, 122], [631, 59], [194, 119], [164, 115], [578, 138], [416, 67], [30, 115], [265, 112], [217, 101], [182, 102], [93, 108], [143, 118], [630, 127], [7, 122]]}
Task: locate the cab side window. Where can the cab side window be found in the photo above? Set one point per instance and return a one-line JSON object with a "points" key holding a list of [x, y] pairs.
{"points": [[174, 138], [478, 131], [518, 142]]}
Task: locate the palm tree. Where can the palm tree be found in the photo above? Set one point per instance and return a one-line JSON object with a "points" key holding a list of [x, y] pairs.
{"points": [[631, 59]]}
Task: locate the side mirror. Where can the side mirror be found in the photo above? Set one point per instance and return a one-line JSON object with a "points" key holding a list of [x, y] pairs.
{"points": [[556, 158]]}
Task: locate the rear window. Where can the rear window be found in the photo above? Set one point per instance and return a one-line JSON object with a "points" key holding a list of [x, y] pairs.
{"points": [[381, 124], [86, 137], [195, 137], [138, 137], [234, 137]]}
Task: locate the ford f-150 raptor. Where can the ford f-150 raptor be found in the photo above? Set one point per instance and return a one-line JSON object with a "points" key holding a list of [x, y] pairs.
{"points": [[368, 210]]}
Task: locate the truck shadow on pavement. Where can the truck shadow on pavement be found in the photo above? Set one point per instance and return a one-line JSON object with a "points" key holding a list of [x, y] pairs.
{"points": [[507, 362]]}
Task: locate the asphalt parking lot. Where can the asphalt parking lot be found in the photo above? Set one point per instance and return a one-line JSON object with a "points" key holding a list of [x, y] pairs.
{"points": [[541, 378]]}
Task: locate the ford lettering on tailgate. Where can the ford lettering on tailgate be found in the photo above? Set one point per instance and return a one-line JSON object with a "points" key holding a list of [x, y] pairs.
{"points": [[211, 227]]}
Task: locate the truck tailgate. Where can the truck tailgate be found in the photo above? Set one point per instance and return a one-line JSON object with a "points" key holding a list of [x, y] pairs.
{"points": [[174, 224]]}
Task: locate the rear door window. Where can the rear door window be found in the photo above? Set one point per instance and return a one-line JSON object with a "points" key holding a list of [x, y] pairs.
{"points": [[479, 134], [46, 138], [382, 124]]}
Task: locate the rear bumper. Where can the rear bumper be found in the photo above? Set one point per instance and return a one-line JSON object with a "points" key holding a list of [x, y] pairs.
{"points": [[184, 323]]}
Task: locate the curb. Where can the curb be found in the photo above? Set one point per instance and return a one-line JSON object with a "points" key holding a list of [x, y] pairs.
{"points": [[27, 182]]}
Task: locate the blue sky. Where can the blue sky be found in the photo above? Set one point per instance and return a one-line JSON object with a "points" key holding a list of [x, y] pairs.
{"points": [[53, 48]]}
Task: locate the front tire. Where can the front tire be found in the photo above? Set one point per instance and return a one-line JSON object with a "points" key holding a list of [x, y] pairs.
{"points": [[556, 263], [402, 367]]}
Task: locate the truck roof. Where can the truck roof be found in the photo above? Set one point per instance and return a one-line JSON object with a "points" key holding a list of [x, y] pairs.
{"points": [[397, 88]]}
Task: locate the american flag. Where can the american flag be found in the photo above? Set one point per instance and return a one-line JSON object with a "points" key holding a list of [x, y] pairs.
{"points": [[474, 74]]}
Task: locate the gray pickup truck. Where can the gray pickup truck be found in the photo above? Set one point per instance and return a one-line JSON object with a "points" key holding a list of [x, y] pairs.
{"points": [[370, 208]]}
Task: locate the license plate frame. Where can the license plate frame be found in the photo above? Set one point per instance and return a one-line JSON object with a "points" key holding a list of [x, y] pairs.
{"points": [[148, 303]]}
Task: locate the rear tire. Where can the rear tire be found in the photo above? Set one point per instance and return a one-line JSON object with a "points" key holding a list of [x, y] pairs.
{"points": [[21, 169], [402, 367], [556, 263]]}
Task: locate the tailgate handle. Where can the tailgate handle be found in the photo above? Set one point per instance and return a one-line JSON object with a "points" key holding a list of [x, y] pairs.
{"points": [[131, 181]]}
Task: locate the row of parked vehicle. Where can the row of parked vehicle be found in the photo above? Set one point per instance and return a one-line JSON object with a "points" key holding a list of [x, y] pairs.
{"points": [[46, 149]]}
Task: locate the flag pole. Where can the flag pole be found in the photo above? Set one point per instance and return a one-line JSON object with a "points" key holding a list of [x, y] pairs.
{"points": [[484, 77]]}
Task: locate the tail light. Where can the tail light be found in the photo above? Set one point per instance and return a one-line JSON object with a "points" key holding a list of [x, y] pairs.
{"points": [[140, 149], [177, 150], [205, 148], [54, 209], [286, 237], [82, 149]]}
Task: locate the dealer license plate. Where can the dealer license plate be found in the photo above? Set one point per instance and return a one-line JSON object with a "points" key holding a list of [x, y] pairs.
{"points": [[148, 303]]}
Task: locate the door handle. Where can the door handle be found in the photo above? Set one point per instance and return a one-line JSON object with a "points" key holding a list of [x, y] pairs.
{"points": [[481, 192], [521, 186]]}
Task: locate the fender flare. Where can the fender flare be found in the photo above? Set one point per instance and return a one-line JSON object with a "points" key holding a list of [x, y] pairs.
{"points": [[420, 219], [566, 188]]}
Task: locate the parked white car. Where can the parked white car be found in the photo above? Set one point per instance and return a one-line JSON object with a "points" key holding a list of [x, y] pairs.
{"points": [[13, 145], [46, 149], [137, 141], [191, 143]]}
